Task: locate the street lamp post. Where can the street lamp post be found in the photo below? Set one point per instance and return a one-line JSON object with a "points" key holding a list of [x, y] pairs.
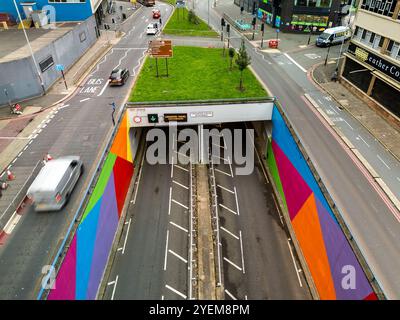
{"points": [[208, 12], [30, 48]]}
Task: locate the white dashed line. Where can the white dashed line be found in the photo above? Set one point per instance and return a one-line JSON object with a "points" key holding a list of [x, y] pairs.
{"points": [[180, 204], [226, 208], [83, 100], [166, 252], [228, 232], [177, 255], [223, 172], [180, 184], [226, 189], [178, 226], [235, 265], [175, 291], [383, 162], [291, 59], [230, 295]]}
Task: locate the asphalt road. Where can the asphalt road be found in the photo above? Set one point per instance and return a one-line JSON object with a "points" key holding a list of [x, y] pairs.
{"points": [[152, 259], [372, 220], [257, 257], [77, 127]]}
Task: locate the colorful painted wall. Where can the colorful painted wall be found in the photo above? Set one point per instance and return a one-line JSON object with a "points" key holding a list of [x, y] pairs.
{"points": [[325, 247], [82, 268]]}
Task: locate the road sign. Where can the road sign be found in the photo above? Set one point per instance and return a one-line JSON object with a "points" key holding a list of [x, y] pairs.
{"points": [[160, 48], [60, 67], [137, 119], [175, 117], [152, 117]]}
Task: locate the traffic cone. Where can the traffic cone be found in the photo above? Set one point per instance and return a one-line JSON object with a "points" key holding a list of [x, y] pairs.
{"points": [[10, 175]]}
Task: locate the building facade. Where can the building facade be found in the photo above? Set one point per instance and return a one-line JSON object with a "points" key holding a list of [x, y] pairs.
{"points": [[302, 15], [372, 62], [65, 10]]}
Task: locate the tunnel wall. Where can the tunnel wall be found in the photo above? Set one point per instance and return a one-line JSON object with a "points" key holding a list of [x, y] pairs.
{"points": [[81, 271], [322, 241]]}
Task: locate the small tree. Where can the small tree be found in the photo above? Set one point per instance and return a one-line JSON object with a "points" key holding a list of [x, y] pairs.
{"points": [[242, 61], [231, 53], [192, 17]]}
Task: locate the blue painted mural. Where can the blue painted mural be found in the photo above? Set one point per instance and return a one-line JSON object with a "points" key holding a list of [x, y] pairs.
{"points": [[74, 11]]}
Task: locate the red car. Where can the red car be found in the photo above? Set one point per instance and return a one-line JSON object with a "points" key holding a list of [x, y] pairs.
{"points": [[156, 14]]}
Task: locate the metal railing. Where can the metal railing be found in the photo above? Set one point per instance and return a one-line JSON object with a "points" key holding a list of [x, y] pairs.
{"points": [[192, 233]]}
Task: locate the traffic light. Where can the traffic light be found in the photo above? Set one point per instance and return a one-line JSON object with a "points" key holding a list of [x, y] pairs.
{"points": [[262, 27], [253, 22], [222, 22], [254, 8], [152, 118], [228, 28], [241, 9]]}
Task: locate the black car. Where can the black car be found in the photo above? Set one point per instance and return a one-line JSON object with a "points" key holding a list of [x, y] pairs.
{"points": [[118, 77]]}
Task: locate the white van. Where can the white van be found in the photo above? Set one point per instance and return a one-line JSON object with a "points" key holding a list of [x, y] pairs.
{"points": [[333, 36], [53, 185]]}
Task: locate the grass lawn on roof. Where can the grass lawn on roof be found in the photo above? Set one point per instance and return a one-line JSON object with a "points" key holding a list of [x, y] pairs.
{"points": [[194, 74]]}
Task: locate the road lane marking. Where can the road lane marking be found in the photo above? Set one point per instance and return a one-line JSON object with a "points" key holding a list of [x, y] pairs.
{"points": [[226, 208], [348, 124], [383, 161], [218, 146], [228, 232], [182, 168], [115, 286], [226, 189], [241, 250], [364, 141], [177, 255], [294, 263], [175, 291], [237, 202], [126, 236], [172, 168], [11, 224], [83, 100], [295, 62], [223, 172], [230, 295], [104, 89], [221, 158], [180, 184], [178, 226], [180, 204], [138, 182], [169, 201], [235, 265], [166, 252], [64, 106]]}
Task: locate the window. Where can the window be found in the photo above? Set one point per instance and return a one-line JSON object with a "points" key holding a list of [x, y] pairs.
{"points": [[364, 34], [383, 7], [390, 46], [356, 31], [313, 3], [381, 42], [372, 38]]}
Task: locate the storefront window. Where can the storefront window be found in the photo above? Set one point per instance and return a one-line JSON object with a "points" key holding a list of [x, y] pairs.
{"points": [[309, 20], [387, 96], [313, 3], [357, 74]]}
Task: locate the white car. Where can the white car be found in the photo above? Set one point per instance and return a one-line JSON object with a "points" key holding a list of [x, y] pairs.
{"points": [[152, 29]]}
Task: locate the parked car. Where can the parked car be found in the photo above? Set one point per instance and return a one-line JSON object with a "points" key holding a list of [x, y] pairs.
{"points": [[118, 77], [156, 14], [152, 29], [53, 185], [333, 36]]}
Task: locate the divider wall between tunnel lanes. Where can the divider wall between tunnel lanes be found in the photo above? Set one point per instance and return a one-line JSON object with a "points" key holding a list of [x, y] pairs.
{"points": [[81, 271], [326, 250]]}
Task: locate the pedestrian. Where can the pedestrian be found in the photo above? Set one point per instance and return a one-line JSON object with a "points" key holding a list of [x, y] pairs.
{"points": [[160, 22]]}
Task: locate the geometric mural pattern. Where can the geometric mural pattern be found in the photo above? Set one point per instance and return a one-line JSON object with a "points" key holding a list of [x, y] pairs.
{"points": [[82, 268], [322, 241]]}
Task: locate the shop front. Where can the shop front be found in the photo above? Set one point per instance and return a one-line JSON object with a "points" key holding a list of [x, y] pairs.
{"points": [[377, 77]]}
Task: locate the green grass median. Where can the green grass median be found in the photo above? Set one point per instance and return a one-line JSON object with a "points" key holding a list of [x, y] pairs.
{"points": [[180, 25], [194, 74]]}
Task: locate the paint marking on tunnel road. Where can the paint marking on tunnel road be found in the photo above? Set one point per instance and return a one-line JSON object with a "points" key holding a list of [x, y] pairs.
{"points": [[166, 252], [230, 295], [169, 201], [180, 184], [177, 255], [104, 89], [20, 154], [138, 181], [383, 161], [226, 189], [182, 154], [230, 233], [126, 236], [218, 146], [221, 158], [26, 147], [180, 204], [223, 172], [294, 263], [64, 106], [83, 100], [9, 227], [295, 62], [364, 140], [182, 168], [178, 226], [226, 208], [176, 291], [241, 250], [348, 124], [235, 265], [237, 202], [115, 286]]}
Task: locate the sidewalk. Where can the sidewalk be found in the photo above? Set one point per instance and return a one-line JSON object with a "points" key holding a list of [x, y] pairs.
{"points": [[380, 128]]}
